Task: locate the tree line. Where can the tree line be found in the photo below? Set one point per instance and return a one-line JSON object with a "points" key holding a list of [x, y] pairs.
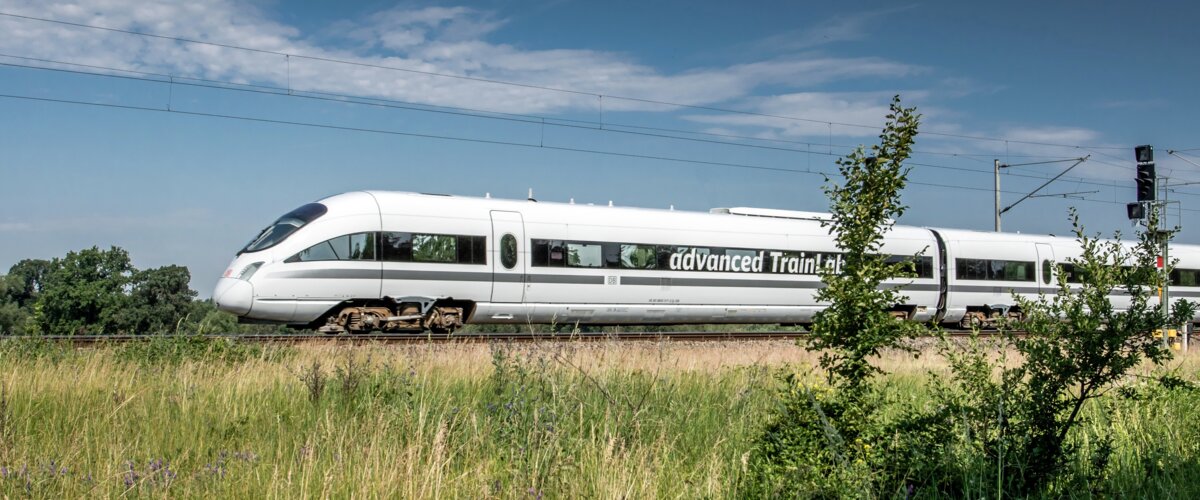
{"points": [[94, 291]]}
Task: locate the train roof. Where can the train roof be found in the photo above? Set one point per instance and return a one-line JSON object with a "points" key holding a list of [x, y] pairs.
{"points": [[744, 219]]}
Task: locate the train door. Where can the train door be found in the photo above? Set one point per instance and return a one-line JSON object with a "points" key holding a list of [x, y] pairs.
{"points": [[1046, 266], [509, 257]]}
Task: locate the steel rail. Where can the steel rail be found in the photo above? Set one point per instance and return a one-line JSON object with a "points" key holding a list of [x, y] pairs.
{"points": [[388, 338]]}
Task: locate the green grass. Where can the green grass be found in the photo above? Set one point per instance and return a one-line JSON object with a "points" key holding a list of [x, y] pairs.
{"points": [[368, 421], [571, 419]]}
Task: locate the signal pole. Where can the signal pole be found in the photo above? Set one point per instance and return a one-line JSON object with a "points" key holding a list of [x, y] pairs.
{"points": [[996, 212], [1147, 189]]}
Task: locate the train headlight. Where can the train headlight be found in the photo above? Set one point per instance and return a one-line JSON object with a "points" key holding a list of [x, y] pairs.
{"points": [[249, 271]]}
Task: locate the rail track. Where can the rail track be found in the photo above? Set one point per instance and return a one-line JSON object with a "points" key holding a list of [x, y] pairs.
{"points": [[393, 338], [435, 337]]}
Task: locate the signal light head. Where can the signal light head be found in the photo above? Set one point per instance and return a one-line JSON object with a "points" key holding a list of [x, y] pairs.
{"points": [[1145, 182], [1136, 211], [1144, 154]]}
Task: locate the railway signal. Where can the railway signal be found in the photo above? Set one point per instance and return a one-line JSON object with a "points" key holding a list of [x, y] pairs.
{"points": [[1145, 172]]}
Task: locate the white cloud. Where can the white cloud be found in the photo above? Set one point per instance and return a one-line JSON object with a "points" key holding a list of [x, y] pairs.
{"points": [[14, 226], [449, 40], [454, 40], [1052, 135], [839, 29], [823, 113]]}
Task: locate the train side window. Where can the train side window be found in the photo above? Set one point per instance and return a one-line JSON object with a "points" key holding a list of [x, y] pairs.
{"points": [[910, 265], [472, 250], [584, 255], [358, 246], [362, 246], [1185, 277], [740, 252], [479, 243], [1073, 275], [612, 255], [434, 248], [397, 247], [925, 267], [970, 269], [321, 251], [557, 255], [508, 251], [665, 252], [539, 253], [638, 256], [921, 267], [1046, 268], [1017, 271]]}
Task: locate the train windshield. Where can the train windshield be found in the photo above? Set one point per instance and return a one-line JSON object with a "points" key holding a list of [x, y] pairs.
{"points": [[284, 227]]}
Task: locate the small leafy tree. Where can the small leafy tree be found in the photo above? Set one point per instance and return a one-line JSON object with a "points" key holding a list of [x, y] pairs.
{"points": [[820, 443], [857, 324]]}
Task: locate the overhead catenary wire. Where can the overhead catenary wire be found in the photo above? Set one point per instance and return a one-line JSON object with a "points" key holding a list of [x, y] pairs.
{"points": [[481, 141], [289, 55], [607, 126], [484, 114]]}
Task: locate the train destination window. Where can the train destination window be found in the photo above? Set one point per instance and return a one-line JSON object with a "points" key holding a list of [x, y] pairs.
{"points": [[584, 255], [508, 251]]}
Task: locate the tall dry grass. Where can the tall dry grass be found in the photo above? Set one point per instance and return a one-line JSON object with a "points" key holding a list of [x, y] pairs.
{"points": [[565, 419]]}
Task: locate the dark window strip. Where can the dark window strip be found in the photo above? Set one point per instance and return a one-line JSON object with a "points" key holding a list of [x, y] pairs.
{"points": [[642, 256]]}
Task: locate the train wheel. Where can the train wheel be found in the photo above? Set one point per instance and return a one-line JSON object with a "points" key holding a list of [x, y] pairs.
{"points": [[444, 319]]}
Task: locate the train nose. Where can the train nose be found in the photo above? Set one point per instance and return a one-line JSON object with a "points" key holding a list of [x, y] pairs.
{"points": [[234, 295]]}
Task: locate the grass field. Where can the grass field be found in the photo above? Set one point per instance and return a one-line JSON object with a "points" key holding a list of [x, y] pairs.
{"points": [[552, 420]]}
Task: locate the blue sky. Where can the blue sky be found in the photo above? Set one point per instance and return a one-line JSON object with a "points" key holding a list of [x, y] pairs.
{"points": [[1017, 81]]}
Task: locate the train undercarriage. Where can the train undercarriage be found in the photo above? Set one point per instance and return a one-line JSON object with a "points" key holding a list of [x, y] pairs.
{"points": [[989, 317], [445, 315], [405, 315]]}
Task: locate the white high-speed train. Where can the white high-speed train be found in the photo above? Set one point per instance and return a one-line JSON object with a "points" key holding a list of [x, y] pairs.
{"points": [[394, 261]]}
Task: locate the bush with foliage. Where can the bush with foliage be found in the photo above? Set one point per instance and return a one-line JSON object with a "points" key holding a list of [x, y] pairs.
{"points": [[1017, 418], [821, 441], [1005, 422]]}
